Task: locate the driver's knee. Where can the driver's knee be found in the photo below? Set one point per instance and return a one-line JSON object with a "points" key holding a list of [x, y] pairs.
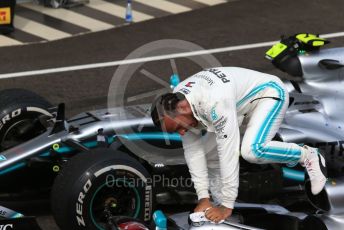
{"points": [[248, 154], [252, 153]]}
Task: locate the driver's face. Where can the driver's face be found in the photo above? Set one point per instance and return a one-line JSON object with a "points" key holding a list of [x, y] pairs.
{"points": [[180, 124]]}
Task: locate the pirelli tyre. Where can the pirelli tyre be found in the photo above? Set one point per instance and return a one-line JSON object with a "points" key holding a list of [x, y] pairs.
{"points": [[98, 184], [19, 113]]}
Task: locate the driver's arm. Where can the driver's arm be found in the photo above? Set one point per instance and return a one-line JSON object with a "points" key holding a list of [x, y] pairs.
{"points": [[223, 116], [196, 160]]}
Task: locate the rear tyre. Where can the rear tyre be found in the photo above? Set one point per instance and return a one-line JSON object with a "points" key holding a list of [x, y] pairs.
{"points": [[19, 113], [97, 184]]}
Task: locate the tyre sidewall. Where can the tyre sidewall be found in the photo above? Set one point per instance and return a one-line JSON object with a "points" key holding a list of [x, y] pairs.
{"points": [[18, 112], [106, 174]]}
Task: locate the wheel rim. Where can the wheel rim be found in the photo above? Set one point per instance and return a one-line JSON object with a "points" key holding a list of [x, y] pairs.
{"points": [[121, 199], [20, 132]]}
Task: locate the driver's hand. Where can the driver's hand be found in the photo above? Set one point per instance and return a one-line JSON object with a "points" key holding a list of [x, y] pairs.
{"points": [[203, 204], [216, 214]]}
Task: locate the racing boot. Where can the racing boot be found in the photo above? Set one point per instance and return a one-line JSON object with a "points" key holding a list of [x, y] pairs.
{"points": [[315, 164]]}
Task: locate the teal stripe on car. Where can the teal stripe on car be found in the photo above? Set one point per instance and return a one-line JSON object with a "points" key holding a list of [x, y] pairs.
{"points": [[12, 168], [152, 136], [93, 144], [293, 174], [16, 215]]}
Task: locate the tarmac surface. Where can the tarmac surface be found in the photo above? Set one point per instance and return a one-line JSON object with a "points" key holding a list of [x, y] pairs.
{"points": [[38, 23], [230, 24]]}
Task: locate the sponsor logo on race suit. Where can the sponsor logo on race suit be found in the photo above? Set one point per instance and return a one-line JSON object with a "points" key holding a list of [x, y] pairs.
{"points": [[218, 123], [219, 74], [184, 90], [206, 78], [219, 126], [213, 114], [189, 84]]}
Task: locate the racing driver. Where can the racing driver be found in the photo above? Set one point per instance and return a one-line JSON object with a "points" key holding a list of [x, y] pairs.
{"points": [[218, 100]]}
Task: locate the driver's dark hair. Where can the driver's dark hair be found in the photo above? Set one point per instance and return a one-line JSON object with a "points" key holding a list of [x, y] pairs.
{"points": [[165, 103]]}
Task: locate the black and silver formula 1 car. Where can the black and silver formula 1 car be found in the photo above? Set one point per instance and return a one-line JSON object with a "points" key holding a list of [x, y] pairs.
{"points": [[107, 163]]}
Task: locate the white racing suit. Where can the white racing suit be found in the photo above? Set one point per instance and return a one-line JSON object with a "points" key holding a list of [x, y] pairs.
{"points": [[220, 99]]}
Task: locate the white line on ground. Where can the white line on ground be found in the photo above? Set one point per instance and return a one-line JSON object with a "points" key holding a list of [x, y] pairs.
{"points": [[149, 59], [70, 16], [212, 2], [38, 29], [164, 5], [6, 41], [333, 35]]}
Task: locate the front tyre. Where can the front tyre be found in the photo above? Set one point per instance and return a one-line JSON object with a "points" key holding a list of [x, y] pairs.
{"points": [[98, 184], [19, 113]]}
